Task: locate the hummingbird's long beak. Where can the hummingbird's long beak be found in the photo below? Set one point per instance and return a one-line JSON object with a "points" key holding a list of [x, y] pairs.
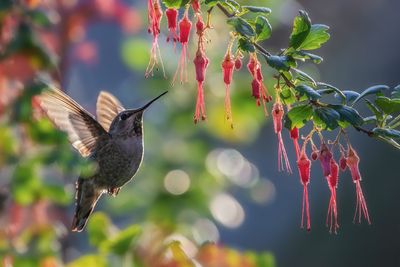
{"points": [[150, 102]]}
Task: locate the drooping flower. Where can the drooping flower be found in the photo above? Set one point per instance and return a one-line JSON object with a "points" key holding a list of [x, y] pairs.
{"points": [[184, 29], [154, 17], [259, 91], [352, 162], [342, 161], [227, 71], [172, 18], [294, 135], [277, 115], [200, 63], [238, 61], [332, 179], [304, 167], [196, 6], [325, 157]]}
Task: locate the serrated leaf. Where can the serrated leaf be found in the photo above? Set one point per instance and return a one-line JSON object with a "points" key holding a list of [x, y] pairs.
{"points": [[241, 26], [308, 91], [301, 29], [348, 114], [299, 116], [245, 45], [317, 36], [390, 133], [326, 118], [305, 76], [180, 3], [370, 91], [388, 105], [280, 63], [257, 9], [263, 28]]}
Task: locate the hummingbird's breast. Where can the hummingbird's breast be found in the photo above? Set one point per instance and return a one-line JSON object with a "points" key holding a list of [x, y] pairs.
{"points": [[118, 161]]}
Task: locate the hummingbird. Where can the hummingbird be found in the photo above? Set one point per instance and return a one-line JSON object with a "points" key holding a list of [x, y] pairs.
{"points": [[113, 141]]}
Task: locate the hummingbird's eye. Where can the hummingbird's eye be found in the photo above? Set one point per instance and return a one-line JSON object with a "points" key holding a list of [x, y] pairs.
{"points": [[124, 117]]}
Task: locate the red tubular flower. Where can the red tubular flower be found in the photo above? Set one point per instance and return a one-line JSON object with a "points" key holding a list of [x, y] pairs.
{"points": [[238, 62], [325, 157], [294, 135], [304, 167], [172, 18], [259, 91], [196, 6], [343, 162], [154, 16], [200, 63], [353, 161], [332, 179], [277, 115], [227, 70], [184, 29]]}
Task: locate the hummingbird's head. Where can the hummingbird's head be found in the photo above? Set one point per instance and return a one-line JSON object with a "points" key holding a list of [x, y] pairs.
{"points": [[130, 121]]}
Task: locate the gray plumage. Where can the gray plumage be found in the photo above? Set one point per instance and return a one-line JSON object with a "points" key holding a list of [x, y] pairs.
{"points": [[114, 142]]}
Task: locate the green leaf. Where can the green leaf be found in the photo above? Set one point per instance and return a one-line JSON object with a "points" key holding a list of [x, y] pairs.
{"points": [[389, 133], [348, 114], [304, 76], [257, 9], [280, 63], [302, 55], [233, 3], [301, 29], [370, 91], [396, 92], [390, 141], [123, 241], [263, 28], [98, 228], [245, 45], [241, 26], [287, 96], [55, 193], [299, 116], [378, 113], [89, 260], [181, 3], [317, 36], [308, 91], [388, 105], [338, 93], [370, 120], [326, 117], [39, 18]]}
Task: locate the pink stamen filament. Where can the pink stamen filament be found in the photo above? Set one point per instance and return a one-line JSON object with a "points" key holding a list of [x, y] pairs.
{"points": [[361, 205]]}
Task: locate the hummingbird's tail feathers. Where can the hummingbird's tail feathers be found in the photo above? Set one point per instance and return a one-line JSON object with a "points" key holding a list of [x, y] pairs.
{"points": [[86, 198]]}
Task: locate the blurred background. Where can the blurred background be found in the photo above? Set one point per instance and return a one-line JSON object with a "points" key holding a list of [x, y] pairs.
{"points": [[198, 183]]}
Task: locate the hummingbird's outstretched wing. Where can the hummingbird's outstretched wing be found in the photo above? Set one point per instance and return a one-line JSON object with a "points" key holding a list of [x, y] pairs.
{"points": [[82, 129], [107, 108]]}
